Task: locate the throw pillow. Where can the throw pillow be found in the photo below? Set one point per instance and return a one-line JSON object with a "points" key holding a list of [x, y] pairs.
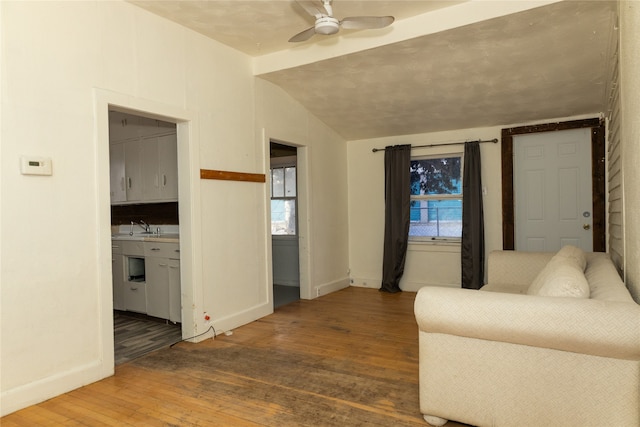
{"points": [[563, 276], [573, 253]]}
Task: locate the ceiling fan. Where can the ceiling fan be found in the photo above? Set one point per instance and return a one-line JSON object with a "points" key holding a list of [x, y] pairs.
{"points": [[326, 24]]}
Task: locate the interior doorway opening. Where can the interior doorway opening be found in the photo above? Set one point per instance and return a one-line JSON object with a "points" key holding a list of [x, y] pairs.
{"points": [[283, 186], [145, 234]]}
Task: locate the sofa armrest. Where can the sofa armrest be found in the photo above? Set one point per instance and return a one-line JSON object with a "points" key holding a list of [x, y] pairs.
{"points": [[515, 267], [595, 327]]}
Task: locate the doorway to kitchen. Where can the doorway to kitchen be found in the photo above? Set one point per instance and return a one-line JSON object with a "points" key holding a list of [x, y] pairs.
{"points": [[283, 186], [145, 234]]}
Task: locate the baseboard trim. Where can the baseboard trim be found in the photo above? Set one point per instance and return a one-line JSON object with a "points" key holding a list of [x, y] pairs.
{"points": [[330, 287], [228, 323], [409, 286], [38, 391]]}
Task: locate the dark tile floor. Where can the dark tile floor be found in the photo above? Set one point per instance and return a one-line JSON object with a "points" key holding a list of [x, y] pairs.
{"points": [[136, 335], [283, 295]]}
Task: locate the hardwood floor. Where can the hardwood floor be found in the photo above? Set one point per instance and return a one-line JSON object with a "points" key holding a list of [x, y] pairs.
{"points": [[345, 359]]}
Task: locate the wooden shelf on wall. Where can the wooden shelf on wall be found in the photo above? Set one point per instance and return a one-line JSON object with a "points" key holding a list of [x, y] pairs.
{"points": [[232, 176]]}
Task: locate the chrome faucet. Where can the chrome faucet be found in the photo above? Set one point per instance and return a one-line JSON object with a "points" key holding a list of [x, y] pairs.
{"points": [[142, 224], [147, 227]]}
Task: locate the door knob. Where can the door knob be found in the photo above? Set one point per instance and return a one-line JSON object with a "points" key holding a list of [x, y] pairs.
{"points": [[586, 226]]}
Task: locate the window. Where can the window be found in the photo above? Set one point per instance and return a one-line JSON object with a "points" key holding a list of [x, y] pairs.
{"points": [[283, 200], [436, 198]]}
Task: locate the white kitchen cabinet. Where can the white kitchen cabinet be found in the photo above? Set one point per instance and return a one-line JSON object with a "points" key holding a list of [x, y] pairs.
{"points": [[175, 293], [146, 278], [163, 280], [123, 126], [159, 166], [168, 166], [143, 156], [144, 170], [133, 171], [135, 296], [134, 286], [118, 129], [149, 170], [149, 127], [157, 278], [117, 172], [118, 272]]}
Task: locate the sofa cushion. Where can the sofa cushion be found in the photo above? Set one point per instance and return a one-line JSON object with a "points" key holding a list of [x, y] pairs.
{"points": [[563, 276]]}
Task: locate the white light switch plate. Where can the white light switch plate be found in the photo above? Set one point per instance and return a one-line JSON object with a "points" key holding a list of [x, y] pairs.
{"points": [[35, 165]]}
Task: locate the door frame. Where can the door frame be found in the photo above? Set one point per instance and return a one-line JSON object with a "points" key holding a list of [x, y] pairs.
{"points": [[598, 186], [303, 209], [187, 124]]}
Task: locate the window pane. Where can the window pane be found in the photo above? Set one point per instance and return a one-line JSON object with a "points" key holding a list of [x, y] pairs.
{"points": [[436, 218], [436, 176], [277, 177], [290, 182], [283, 217]]}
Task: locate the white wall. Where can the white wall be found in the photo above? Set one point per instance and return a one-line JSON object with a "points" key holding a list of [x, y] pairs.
{"points": [[322, 188], [630, 123], [61, 62], [426, 263]]}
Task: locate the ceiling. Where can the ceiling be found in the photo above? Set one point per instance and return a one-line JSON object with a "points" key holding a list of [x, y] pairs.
{"points": [[441, 65]]}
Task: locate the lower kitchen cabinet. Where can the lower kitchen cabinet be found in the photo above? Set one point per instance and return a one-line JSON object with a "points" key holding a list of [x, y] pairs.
{"points": [[146, 278], [135, 296], [157, 277], [175, 293], [163, 280], [117, 270]]}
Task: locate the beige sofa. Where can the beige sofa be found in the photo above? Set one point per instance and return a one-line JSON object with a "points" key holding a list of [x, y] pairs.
{"points": [[511, 358]]}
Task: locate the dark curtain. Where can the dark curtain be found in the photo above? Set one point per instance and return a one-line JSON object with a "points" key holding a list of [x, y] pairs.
{"points": [[397, 162], [472, 219]]}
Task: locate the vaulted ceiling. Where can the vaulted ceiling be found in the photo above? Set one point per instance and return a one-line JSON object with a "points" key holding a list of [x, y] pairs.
{"points": [[441, 65]]}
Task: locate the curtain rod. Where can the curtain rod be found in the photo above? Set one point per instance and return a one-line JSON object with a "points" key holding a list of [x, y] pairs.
{"points": [[494, 140]]}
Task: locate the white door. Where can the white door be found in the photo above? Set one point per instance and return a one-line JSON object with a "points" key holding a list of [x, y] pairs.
{"points": [[552, 190]]}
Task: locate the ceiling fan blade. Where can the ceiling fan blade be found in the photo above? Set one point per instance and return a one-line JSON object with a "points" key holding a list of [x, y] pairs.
{"points": [[303, 35], [366, 22], [313, 8]]}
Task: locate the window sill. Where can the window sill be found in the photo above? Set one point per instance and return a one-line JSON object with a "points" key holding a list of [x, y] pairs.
{"points": [[438, 245]]}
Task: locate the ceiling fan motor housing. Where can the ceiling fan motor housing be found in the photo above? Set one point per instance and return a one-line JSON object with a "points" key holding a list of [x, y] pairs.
{"points": [[327, 25]]}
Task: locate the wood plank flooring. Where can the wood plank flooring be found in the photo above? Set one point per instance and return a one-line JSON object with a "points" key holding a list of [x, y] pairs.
{"points": [[349, 358]]}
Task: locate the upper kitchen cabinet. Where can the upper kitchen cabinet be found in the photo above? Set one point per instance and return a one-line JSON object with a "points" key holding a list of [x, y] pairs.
{"points": [[159, 170], [143, 160], [118, 176], [133, 158], [123, 126]]}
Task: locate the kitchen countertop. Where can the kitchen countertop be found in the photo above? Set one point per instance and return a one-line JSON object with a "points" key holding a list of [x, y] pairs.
{"points": [[140, 237]]}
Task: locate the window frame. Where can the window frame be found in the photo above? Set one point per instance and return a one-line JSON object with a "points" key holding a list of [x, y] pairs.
{"points": [[438, 197], [284, 163]]}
